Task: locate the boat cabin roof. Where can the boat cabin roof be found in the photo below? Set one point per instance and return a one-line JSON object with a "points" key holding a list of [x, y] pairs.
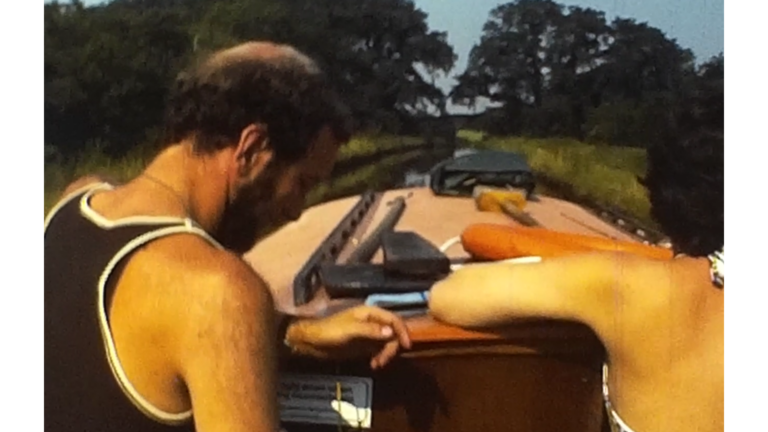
{"points": [[438, 219]]}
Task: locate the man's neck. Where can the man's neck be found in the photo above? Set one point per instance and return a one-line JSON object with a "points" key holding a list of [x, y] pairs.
{"points": [[201, 192]]}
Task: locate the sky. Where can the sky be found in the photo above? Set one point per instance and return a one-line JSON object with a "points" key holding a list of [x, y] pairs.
{"points": [[695, 24]]}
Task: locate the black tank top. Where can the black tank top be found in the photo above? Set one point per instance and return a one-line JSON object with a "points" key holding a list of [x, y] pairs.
{"points": [[85, 388]]}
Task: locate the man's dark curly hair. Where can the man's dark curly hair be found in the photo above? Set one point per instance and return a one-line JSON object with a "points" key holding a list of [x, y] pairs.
{"points": [[685, 174], [212, 102]]}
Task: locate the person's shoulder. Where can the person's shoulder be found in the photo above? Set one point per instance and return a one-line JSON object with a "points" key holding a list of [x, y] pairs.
{"points": [[648, 278], [636, 282], [195, 257], [206, 312], [84, 182], [636, 295], [194, 288], [608, 283], [597, 269]]}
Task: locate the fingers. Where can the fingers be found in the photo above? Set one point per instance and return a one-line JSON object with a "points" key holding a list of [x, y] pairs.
{"points": [[391, 320], [370, 330], [385, 355], [388, 320]]}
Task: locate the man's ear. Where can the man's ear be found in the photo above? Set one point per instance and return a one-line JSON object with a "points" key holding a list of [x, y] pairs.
{"points": [[254, 150]]}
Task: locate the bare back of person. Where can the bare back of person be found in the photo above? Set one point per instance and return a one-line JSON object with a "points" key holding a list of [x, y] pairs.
{"points": [[168, 308], [660, 321], [666, 370]]}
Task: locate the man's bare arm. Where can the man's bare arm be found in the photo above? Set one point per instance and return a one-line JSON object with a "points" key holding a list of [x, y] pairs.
{"points": [[228, 352], [353, 333]]}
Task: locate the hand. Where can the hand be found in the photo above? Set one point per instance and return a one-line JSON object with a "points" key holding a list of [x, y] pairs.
{"points": [[354, 332]]}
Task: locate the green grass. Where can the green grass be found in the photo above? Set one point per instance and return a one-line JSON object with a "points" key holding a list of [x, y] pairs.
{"points": [[93, 161], [355, 178], [602, 174], [382, 174], [371, 145], [471, 136]]}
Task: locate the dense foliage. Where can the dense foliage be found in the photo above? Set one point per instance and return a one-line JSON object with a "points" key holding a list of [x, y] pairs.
{"points": [[554, 71], [557, 71]]}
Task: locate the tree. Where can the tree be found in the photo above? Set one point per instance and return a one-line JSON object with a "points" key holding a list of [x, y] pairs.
{"points": [[108, 67], [536, 58], [713, 69], [580, 43], [565, 71], [107, 71], [641, 61], [508, 65], [380, 53]]}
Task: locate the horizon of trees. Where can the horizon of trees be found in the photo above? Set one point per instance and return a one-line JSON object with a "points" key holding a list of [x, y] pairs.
{"points": [[551, 70]]}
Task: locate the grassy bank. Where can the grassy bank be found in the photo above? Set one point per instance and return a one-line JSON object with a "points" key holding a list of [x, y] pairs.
{"points": [[370, 146], [366, 161], [588, 173], [581, 172], [59, 175]]}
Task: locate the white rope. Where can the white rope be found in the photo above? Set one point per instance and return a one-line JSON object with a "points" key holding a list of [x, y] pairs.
{"points": [[450, 243], [455, 240], [521, 260]]}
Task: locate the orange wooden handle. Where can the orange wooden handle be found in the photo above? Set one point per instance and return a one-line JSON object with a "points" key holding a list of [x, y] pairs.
{"points": [[499, 242]]}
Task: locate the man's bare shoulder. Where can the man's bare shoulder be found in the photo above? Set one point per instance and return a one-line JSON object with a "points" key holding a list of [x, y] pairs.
{"points": [[209, 317], [197, 278], [84, 181]]}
